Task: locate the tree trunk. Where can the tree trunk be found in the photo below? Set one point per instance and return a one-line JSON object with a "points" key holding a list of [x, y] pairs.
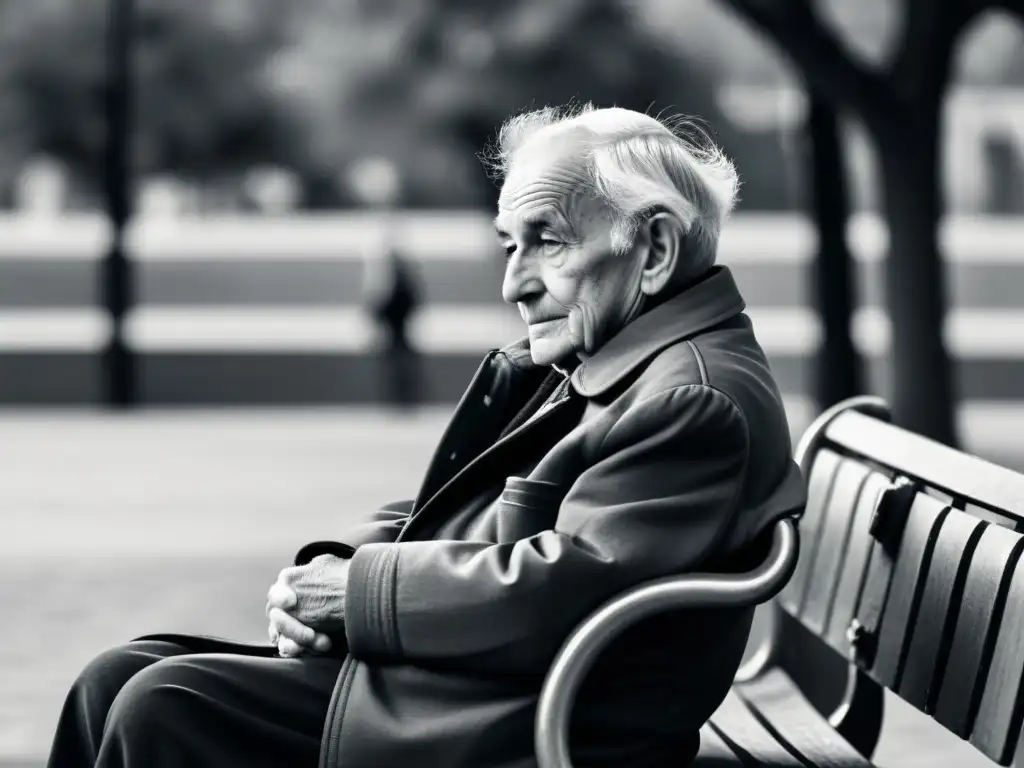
{"points": [[838, 373], [922, 377]]}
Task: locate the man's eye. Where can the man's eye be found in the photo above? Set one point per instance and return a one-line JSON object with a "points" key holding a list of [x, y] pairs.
{"points": [[509, 250], [547, 242]]}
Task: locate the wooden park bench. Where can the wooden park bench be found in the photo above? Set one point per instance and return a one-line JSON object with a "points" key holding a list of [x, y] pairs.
{"points": [[907, 579]]}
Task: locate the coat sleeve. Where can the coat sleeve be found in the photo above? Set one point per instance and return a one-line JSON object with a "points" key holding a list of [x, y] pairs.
{"points": [[660, 493], [381, 526]]}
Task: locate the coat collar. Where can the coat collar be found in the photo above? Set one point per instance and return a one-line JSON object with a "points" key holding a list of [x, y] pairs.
{"points": [[704, 305]]}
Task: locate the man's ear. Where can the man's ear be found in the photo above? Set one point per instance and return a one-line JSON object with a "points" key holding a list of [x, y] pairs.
{"points": [[662, 236]]}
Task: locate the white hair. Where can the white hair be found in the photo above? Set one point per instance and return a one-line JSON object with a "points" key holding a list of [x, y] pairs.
{"points": [[639, 165]]}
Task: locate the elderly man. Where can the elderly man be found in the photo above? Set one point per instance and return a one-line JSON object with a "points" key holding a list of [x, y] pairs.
{"points": [[636, 433]]}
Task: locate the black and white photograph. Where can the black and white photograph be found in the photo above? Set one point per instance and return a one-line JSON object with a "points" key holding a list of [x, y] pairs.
{"points": [[521, 384]]}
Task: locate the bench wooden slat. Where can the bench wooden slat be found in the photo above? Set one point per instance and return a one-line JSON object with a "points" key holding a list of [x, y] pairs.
{"points": [[738, 727], [878, 576], [998, 721], [775, 697], [931, 631], [714, 752], [939, 466], [855, 563], [819, 486], [966, 666], [908, 573], [832, 538]]}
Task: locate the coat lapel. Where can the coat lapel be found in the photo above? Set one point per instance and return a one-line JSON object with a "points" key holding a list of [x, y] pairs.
{"points": [[550, 423]]}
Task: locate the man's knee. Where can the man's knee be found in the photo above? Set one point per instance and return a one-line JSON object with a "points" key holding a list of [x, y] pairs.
{"points": [[156, 698], [109, 670], [102, 679]]}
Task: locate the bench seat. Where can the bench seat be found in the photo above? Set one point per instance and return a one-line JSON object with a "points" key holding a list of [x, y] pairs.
{"points": [[769, 722]]}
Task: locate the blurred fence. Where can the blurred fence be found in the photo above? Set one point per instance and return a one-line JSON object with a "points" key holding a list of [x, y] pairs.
{"points": [[251, 310]]}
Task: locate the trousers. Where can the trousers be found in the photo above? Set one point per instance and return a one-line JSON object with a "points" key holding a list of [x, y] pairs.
{"points": [[163, 704]]}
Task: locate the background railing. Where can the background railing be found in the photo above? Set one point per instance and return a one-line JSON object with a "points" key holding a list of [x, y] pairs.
{"points": [[265, 310]]}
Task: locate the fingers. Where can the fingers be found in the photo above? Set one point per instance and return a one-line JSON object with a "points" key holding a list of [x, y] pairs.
{"points": [[289, 627], [282, 603], [288, 648], [281, 595]]}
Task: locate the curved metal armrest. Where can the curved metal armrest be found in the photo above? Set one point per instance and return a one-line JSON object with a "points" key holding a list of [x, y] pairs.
{"points": [[812, 437], [580, 651]]}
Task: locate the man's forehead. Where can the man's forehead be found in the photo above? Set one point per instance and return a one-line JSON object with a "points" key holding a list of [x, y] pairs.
{"points": [[547, 171], [551, 152]]}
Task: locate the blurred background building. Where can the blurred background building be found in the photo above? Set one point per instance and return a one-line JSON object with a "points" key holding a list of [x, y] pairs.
{"points": [[250, 243]]}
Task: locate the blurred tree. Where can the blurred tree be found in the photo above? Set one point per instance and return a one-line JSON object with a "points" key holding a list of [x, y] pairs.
{"points": [[315, 84], [838, 367], [203, 104], [464, 66], [900, 103]]}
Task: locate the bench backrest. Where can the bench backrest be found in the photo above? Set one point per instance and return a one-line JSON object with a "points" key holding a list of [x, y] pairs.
{"points": [[910, 567]]}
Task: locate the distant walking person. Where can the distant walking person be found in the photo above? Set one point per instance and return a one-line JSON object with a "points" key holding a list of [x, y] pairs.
{"points": [[391, 289], [391, 309]]}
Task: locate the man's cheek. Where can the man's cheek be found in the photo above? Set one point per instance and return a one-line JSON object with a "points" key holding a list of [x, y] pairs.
{"points": [[577, 327], [583, 326], [593, 319]]}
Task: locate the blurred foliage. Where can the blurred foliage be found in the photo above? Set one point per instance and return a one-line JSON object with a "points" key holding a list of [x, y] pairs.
{"points": [[201, 102], [464, 66], [312, 85]]}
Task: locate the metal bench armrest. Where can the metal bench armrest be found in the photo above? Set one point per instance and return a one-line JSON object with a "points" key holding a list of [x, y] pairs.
{"points": [[585, 644]]}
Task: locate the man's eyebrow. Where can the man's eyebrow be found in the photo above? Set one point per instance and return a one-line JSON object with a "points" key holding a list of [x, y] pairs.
{"points": [[537, 221]]}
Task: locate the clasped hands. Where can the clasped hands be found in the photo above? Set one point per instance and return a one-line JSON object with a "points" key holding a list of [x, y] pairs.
{"points": [[306, 603]]}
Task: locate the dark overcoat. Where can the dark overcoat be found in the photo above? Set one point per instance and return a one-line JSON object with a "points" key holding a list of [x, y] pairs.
{"points": [[667, 451]]}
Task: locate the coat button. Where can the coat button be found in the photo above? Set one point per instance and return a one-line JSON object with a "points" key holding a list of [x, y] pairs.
{"points": [[453, 456], [487, 401]]}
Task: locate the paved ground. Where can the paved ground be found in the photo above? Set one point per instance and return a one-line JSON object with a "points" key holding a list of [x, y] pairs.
{"points": [[117, 526]]}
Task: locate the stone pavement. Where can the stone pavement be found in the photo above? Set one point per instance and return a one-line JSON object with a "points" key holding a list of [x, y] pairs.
{"points": [[114, 526]]}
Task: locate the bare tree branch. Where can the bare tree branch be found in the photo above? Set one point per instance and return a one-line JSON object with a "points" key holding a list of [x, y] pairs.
{"points": [[1015, 7], [920, 70], [819, 54]]}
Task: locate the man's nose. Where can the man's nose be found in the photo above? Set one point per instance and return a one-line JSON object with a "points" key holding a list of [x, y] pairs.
{"points": [[520, 279]]}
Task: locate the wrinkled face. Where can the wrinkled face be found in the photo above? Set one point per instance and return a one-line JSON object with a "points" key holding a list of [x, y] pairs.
{"points": [[573, 290]]}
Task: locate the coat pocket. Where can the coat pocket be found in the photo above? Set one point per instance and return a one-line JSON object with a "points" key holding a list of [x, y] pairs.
{"points": [[527, 507]]}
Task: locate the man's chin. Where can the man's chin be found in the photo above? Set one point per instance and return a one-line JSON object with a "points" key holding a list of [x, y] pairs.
{"points": [[550, 351]]}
